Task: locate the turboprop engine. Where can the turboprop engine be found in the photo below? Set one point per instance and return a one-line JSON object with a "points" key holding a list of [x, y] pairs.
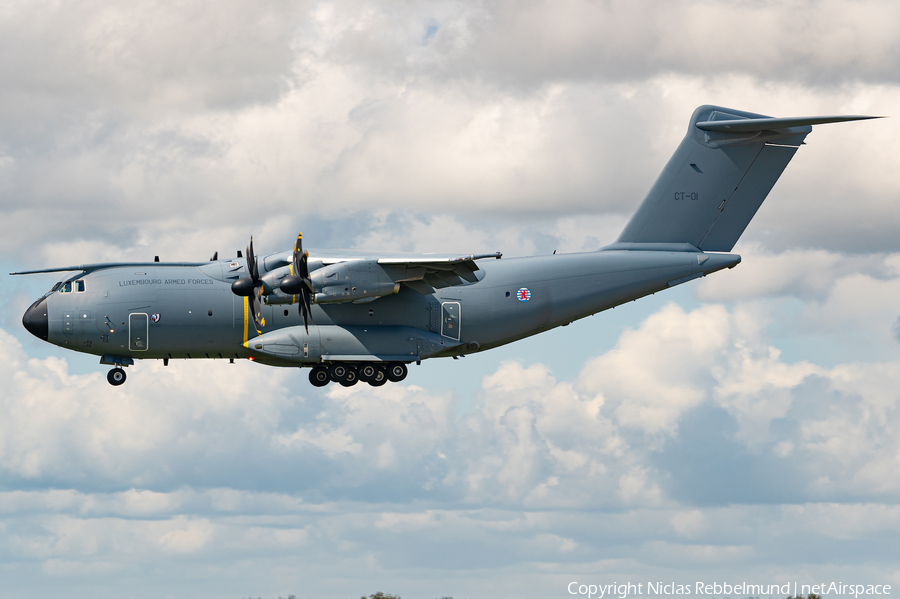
{"points": [[357, 281]]}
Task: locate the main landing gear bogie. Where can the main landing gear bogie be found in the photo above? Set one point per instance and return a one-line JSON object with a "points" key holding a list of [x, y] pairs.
{"points": [[348, 375]]}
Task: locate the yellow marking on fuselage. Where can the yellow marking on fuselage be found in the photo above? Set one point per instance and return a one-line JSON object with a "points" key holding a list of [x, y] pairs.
{"points": [[246, 318]]}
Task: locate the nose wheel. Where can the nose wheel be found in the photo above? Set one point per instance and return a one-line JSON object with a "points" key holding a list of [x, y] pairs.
{"points": [[116, 377]]}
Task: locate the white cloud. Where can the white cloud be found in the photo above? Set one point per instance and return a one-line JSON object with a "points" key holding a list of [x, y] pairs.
{"points": [[531, 441], [802, 274], [350, 113], [661, 370], [160, 55]]}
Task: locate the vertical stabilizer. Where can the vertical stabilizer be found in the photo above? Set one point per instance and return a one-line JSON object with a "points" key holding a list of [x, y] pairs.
{"points": [[718, 177]]}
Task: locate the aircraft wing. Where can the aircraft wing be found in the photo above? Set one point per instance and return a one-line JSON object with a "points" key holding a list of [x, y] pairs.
{"points": [[106, 265], [428, 272], [421, 272]]}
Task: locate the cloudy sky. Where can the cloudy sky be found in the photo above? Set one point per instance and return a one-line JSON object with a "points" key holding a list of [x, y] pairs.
{"points": [[743, 427]]}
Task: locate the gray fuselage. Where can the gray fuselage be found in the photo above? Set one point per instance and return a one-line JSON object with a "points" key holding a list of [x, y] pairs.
{"points": [[173, 311]]}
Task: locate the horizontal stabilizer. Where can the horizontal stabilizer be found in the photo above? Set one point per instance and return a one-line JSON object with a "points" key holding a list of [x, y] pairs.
{"points": [[769, 124]]}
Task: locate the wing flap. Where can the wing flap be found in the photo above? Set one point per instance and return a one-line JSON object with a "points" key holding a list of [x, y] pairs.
{"points": [[420, 287], [437, 258], [423, 274]]}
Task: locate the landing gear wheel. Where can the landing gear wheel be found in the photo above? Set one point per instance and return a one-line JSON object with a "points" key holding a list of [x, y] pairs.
{"points": [[350, 379], [319, 376], [379, 379], [337, 372], [367, 372], [116, 377], [396, 372]]}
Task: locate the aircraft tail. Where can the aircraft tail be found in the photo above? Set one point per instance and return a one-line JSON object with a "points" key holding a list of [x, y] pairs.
{"points": [[717, 179]]}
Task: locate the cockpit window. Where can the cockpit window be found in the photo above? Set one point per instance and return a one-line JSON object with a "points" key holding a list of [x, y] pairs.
{"points": [[69, 287]]}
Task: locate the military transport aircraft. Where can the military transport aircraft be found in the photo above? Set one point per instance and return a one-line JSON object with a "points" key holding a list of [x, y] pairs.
{"points": [[363, 316]]}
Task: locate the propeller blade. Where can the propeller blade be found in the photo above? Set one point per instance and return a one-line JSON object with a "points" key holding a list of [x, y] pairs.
{"points": [[251, 288], [298, 250], [256, 309], [300, 263], [252, 266], [301, 258], [304, 311]]}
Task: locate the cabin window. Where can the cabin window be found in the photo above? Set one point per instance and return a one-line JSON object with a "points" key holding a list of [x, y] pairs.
{"points": [[79, 286]]}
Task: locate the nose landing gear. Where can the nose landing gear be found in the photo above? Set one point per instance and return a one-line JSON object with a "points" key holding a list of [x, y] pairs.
{"points": [[116, 376]]}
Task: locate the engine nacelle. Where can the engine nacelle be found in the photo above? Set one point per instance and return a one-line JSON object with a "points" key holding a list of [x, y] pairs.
{"points": [[278, 299], [356, 281]]}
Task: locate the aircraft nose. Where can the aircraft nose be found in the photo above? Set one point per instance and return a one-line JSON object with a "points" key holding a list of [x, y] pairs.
{"points": [[35, 319]]}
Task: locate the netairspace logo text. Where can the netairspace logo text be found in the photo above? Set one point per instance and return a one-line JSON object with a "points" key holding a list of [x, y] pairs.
{"points": [[628, 589]]}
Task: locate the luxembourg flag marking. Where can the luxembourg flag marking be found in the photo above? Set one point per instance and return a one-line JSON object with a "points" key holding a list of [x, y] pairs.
{"points": [[523, 294]]}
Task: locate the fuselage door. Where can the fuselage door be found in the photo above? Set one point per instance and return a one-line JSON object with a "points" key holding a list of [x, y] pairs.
{"points": [[450, 320], [138, 328]]}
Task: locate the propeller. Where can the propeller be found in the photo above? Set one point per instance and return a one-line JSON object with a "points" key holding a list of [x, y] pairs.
{"points": [[299, 282], [251, 287]]}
